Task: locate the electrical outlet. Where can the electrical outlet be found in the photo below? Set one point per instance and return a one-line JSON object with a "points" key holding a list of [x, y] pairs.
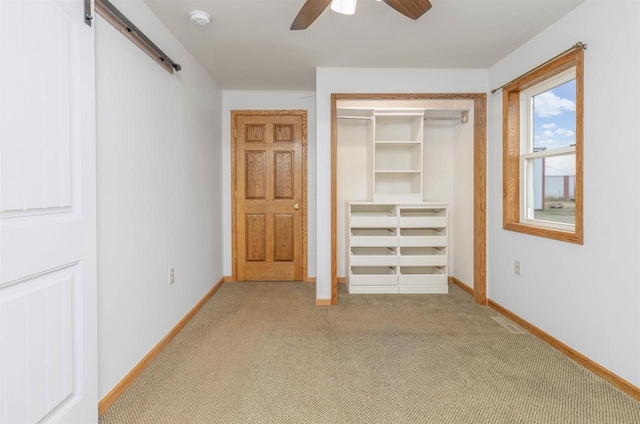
{"points": [[171, 277], [516, 267]]}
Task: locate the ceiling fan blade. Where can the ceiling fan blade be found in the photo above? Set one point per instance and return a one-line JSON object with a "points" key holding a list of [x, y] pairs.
{"points": [[309, 13], [410, 8]]}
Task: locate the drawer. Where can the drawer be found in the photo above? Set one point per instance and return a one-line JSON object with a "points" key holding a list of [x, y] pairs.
{"points": [[425, 280], [438, 288], [373, 256], [423, 222], [417, 241], [373, 289], [373, 215], [373, 237], [435, 260], [422, 276], [373, 276], [422, 237], [373, 221], [422, 256], [421, 217], [374, 241]]}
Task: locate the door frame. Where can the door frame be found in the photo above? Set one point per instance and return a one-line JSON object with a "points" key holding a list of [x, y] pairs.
{"points": [[479, 181], [234, 185]]}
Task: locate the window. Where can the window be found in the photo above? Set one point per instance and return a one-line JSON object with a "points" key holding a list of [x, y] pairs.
{"points": [[543, 150]]}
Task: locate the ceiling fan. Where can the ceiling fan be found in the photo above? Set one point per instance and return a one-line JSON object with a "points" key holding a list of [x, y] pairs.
{"points": [[314, 8]]}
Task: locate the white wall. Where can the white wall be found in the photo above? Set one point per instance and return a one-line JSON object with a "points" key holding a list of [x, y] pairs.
{"points": [[159, 191], [438, 162], [265, 100], [356, 170], [586, 296], [438, 175], [361, 80], [461, 216]]}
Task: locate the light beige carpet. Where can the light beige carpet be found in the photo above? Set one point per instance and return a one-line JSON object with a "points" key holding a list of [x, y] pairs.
{"points": [[264, 353]]}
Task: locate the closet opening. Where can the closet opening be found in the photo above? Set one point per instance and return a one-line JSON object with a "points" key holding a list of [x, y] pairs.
{"points": [[416, 171]]}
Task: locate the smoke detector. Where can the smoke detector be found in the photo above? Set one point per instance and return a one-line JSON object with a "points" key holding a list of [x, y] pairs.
{"points": [[199, 17]]}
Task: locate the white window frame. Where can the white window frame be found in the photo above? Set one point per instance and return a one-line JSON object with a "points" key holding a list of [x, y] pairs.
{"points": [[526, 146]]}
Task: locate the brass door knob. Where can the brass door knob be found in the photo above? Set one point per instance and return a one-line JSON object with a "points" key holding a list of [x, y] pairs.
{"points": [[296, 206]]}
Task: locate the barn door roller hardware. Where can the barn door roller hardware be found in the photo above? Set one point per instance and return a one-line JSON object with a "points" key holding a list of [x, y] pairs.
{"points": [[111, 14], [87, 12]]}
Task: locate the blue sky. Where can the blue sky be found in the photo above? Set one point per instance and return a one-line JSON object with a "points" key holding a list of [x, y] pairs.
{"points": [[554, 117]]}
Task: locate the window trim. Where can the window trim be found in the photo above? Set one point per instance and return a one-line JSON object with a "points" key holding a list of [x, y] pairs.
{"points": [[512, 144]]}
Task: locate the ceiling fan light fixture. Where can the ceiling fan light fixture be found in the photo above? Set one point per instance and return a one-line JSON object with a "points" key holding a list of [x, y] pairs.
{"points": [[345, 7]]}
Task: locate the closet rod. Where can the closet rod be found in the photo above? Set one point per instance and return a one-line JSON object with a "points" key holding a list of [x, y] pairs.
{"points": [[443, 118], [426, 118]]}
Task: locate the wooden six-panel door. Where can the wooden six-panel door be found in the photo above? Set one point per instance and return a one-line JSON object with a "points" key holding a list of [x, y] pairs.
{"points": [[270, 153]]}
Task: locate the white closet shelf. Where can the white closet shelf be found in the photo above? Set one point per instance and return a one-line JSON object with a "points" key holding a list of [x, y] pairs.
{"points": [[422, 270], [423, 222], [373, 276], [422, 256], [422, 260], [433, 285], [372, 232], [373, 237], [373, 256], [373, 251], [397, 137], [423, 279], [374, 222], [368, 207], [398, 143], [371, 214], [422, 237]]}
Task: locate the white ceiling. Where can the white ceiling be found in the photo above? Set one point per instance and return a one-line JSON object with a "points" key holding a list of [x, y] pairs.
{"points": [[249, 45]]}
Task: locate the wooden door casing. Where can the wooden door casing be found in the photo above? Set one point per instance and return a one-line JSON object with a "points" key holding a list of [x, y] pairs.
{"points": [[480, 180], [269, 186]]}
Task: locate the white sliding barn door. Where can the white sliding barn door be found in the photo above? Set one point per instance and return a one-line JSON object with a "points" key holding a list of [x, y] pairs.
{"points": [[48, 324]]}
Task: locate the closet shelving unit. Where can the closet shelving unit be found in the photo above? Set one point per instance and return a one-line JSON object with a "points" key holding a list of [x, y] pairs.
{"points": [[398, 242], [397, 152]]}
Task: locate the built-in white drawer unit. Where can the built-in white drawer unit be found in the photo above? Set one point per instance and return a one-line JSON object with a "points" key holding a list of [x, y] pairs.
{"points": [[397, 248]]}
